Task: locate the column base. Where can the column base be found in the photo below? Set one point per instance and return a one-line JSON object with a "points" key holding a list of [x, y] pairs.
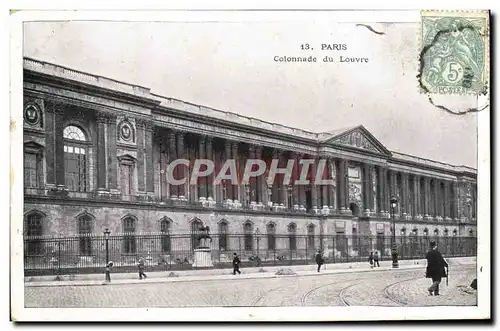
{"points": [[325, 210], [344, 211], [202, 258]]}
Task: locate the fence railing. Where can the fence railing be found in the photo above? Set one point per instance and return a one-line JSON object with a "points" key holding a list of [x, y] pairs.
{"points": [[163, 251]]}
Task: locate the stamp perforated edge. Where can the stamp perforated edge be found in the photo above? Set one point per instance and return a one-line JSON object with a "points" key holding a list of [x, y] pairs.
{"points": [[483, 13]]}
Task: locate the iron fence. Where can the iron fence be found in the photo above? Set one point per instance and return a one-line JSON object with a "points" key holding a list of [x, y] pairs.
{"points": [[85, 254]]}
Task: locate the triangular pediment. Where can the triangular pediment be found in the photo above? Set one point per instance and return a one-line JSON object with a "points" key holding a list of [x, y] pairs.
{"points": [[358, 137]]}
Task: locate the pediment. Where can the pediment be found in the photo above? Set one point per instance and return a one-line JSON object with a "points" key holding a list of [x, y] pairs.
{"points": [[359, 137], [33, 146]]}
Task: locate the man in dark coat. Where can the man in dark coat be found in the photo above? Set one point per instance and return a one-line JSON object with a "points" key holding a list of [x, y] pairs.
{"points": [[319, 259], [435, 268], [236, 264]]}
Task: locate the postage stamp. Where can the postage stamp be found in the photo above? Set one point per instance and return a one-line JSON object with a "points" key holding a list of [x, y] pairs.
{"points": [[454, 52]]}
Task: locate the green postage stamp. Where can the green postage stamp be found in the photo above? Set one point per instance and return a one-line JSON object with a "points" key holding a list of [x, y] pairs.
{"points": [[454, 57]]}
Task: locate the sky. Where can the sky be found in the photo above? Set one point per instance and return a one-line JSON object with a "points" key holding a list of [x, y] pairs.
{"points": [[229, 66]]}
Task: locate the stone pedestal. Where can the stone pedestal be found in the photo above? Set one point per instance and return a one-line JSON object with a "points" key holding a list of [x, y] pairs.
{"points": [[203, 258]]}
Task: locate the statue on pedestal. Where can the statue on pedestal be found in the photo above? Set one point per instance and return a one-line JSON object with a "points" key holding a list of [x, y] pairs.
{"points": [[203, 236]]}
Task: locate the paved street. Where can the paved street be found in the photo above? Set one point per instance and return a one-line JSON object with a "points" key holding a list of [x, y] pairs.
{"points": [[382, 288]]}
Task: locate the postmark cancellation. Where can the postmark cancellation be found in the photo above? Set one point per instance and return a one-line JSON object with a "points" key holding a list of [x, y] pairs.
{"points": [[454, 52]]}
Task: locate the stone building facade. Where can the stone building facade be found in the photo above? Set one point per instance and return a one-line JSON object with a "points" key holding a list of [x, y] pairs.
{"points": [[96, 152]]}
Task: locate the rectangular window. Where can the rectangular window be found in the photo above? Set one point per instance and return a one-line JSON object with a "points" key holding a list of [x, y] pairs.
{"points": [[126, 179], [30, 170]]}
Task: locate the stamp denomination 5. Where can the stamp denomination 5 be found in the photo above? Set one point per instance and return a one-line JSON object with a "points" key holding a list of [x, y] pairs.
{"points": [[454, 52]]}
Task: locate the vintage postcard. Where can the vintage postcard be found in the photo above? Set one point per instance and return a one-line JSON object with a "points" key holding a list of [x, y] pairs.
{"points": [[250, 165]]}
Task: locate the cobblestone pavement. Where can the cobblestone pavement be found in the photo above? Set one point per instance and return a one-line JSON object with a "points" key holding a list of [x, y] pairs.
{"points": [[381, 288]]}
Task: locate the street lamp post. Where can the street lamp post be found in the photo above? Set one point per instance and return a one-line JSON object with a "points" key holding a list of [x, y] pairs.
{"points": [[106, 238], [257, 237], [395, 263]]}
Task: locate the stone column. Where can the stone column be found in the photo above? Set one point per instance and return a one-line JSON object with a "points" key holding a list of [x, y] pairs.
{"points": [[236, 187], [181, 169], [59, 146], [314, 191], [393, 188], [380, 191], [50, 143], [387, 191], [404, 194], [447, 200], [172, 156], [342, 179], [253, 181], [274, 186], [150, 173], [283, 188], [332, 175], [455, 212], [111, 153], [227, 182], [210, 178], [366, 189], [202, 187], [295, 176], [373, 176], [426, 197], [301, 189], [260, 179], [436, 199], [141, 173], [416, 195], [101, 151]]}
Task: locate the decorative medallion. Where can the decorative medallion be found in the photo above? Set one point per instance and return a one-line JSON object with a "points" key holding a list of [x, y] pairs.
{"points": [[32, 115], [126, 131]]}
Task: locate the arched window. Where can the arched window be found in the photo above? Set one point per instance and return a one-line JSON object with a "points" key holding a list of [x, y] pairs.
{"points": [[445, 232], [426, 232], [271, 236], [223, 234], [129, 242], [311, 237], [248, 233], [196, 224], [75, 151], [471, 233], [34, 229], [292, 236], [85, 231], [165, 225]]}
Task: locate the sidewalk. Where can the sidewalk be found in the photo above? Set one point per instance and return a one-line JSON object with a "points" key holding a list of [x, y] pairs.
{"points": [[226, 274]]}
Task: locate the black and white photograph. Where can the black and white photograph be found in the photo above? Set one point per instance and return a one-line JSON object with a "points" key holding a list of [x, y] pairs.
{"points": [[250, 161]]}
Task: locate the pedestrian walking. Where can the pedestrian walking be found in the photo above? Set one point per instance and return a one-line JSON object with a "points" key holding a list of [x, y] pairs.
{"points": [[370, 259], [320, 260], [108, 271], [236, 264], [436, 265], [375, 259], [140, 266]]}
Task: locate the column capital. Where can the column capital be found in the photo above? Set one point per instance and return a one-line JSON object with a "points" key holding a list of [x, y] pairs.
{"points": [[111, 119]]}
